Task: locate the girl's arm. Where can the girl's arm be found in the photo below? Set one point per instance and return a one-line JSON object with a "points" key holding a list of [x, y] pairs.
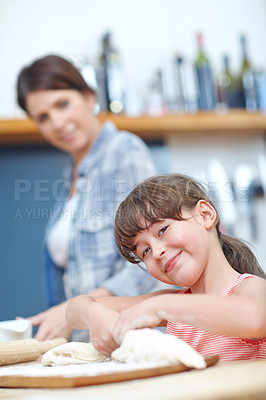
{"points": [[242, 314], [78, 311], [119, 304], [100, 314], [84, 312]]}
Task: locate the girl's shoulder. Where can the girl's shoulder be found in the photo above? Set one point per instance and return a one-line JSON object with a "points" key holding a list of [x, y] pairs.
{"points": [[246, 281], [184, 291]]}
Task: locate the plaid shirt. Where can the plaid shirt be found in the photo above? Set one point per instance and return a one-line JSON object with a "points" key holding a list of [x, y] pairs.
{"points": [[115, 164]]}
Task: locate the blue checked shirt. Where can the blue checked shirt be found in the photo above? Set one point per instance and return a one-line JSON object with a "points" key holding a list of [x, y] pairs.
{"points": [[115, 164]]}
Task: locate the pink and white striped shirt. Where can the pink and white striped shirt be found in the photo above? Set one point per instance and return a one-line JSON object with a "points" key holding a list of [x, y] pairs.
{"points": [[228, 348]]}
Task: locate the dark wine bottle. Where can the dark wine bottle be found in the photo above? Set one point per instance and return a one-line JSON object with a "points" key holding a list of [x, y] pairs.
{"points": [[204, 77], [180, 82], [110, 78]]}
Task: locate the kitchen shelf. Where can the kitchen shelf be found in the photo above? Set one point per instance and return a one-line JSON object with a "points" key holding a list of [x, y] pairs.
{"points": [[238, 122]]}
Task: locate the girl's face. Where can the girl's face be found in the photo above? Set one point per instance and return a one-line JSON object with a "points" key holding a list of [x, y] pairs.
{"points": [[176, 252], [64, 118]]}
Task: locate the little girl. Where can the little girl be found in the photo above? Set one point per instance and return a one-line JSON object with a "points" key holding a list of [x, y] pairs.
{"points": [[169, 223]]}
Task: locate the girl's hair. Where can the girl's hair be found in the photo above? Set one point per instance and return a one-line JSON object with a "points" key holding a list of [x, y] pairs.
{"points": [[49, 73], [166, 196]]}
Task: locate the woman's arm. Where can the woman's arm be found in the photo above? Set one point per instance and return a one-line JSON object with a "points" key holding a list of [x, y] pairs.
{"points": [[52, 322]]}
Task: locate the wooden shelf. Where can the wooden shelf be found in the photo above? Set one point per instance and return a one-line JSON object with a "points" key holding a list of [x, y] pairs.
{"points": [[24, 131]]}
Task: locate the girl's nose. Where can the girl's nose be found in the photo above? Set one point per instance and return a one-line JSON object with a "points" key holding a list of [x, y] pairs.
{"points": [[158, 251]]}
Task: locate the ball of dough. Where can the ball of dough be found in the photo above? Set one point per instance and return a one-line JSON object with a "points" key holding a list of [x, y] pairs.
{"points": [[154, 346], [72, 353]]}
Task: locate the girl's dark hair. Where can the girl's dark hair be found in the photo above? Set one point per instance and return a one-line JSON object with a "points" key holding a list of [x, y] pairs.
{"points": [[166, 196], [49, 73]]}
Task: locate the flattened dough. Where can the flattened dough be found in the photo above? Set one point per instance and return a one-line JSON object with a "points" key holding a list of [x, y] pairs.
{"points": [[72, 353], [155, 346]]}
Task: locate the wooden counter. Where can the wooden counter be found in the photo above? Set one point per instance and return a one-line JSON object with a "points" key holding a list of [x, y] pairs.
{"points": [[232, 380], [239, 122]]}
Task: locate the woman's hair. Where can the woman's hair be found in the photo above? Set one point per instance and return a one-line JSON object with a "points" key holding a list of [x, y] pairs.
{"points": [[166, 196], [49, 73]]}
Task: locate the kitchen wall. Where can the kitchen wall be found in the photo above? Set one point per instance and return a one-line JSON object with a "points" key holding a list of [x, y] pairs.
{"points": [[23, 216]]}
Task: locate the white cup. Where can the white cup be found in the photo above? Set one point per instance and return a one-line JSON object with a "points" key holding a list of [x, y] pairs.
{"points": [[15, 330]]}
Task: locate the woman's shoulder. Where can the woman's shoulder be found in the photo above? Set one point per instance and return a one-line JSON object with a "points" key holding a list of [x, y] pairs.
{"points": [[126, 147], [122, 137], [126, 138]]}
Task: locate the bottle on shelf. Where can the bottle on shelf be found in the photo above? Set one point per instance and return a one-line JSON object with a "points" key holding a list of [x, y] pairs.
{"points": [[204, 77], [225, 84], [169, 87], [86, 68], [186, 85], [111, 87], [156, 96], [180, 82], [247, 78], [260, 79]]}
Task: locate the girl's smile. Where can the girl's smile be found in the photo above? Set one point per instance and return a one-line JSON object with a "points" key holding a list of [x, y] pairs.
{"points": [[161, 246], [176, 251], [171, 263]]}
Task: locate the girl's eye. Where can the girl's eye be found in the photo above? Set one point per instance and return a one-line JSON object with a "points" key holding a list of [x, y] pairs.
{"points": [[162, 230], [145, 252]]}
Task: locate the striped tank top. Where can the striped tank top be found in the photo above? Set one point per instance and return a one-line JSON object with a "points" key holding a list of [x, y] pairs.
{"points": [[228, 348]]}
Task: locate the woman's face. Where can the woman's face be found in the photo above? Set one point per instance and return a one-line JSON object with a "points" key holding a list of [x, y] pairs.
{"points": [[65, 119]]}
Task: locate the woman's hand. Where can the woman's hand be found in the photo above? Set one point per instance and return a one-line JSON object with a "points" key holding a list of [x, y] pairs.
{"points": [[52, 323], [141, 315]]}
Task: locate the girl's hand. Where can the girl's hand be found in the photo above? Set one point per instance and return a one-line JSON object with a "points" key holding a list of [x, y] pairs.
{"points": [[83, 312], [142, 315], [102, 321]]}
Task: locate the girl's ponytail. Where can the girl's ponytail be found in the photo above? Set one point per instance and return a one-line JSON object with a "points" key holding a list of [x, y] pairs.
{"points": [[240, 257]]}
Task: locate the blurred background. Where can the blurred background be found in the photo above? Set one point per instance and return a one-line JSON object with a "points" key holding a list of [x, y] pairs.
{"points": [[145, 57], [148, 34]]}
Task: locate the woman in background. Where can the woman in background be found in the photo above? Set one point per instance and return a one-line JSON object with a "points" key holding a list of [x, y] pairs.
{"points": [[80, 252]]}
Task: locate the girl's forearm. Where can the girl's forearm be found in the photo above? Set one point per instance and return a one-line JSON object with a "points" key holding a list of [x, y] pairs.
{"points": [[230, 316], [79, 310], [119, 304]]}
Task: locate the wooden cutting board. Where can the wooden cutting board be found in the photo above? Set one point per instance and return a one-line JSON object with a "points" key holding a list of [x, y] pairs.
{"points": [[18, 377]]}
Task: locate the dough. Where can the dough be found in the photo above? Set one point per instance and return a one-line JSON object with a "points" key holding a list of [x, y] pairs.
{"points": [[72, 353], [155, 346]]}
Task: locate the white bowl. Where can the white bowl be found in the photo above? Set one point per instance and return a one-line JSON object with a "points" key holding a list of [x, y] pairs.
{"points": [[15, 330]]}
